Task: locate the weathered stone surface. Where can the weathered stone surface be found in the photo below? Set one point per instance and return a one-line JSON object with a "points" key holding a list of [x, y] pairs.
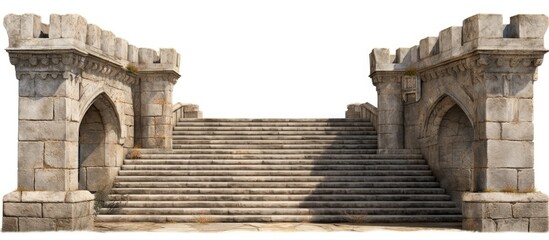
{"points": [[25, 179], [500, 109], [43, 196], [66, 210], [35, 108], [481, 225], [31, 155], [491, 197], [10, 224], [539, 225], [482, 26], [37, 224], [499, 210], [529, 210], [14, 196], [529, 26], [449, 38], [526, 180], [61, 154], [42, 130], [514, 225], [52, 180], [522, 131], [428, 46], [22, 209], [79, 196], [509, 154]]}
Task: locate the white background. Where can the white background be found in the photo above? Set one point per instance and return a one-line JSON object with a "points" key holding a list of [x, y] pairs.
{"points": [[270, 59]]}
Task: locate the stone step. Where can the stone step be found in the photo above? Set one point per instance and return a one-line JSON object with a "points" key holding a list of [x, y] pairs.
{"points": [[283, 179], [275, 167], [275, 137], [282, 211], [271, 156], [278, 197], [278, 190], [273, 173], [272, 120], [264, 133], [272, 128], [274, 124], [267, 162], [282, 218], [259, 151], [274, 146], [272, 185], [284, 204], [327, 142]]}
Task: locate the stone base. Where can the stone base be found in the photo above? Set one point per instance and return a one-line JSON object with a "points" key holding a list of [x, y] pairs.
{"points": [[500, 212], [48, 211]]}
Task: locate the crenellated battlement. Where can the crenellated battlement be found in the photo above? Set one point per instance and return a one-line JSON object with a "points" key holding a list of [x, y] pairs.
{"points": [[478, 32], [71, 31]]}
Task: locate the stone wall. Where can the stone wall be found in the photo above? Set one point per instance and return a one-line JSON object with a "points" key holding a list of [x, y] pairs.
{"points": [[464, 99], [85, 97]]}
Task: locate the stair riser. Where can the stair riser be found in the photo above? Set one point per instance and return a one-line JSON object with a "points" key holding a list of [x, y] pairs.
{"points": [[268, 162], [201, 197], [276, 185], [278, 211], [263, 133], [275, 146], [275, 137], [281, 204], [184, 128], [273, 173], [327, 142], [273, 179], [277, 191], [378, 168], [260, 152], [265, 156]]}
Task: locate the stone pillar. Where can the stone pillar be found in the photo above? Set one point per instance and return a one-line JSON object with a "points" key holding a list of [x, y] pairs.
{"points": [[390, 109], [47, 196], [157, 75]]}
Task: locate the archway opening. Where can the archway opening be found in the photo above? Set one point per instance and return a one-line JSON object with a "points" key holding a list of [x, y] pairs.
{"points": [[455, 152], [99, 152]]}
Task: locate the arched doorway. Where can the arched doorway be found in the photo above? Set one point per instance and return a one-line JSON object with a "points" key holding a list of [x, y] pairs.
{"points": [[99, 151], [449, 132]]}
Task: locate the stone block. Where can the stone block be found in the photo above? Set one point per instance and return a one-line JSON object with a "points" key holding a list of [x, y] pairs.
{"points": [[380, 55], [518, 131], [428, 47], [12, 24], [42, 130], [43, 196], [30, 154], [51, 88], [474, 210], [539, 225], [61, 154], [169, 56], [66, 109], [10, 224], [504, 197], [79, 196], [14, 196], [529, 210], [93, 38], [449, 38], [508, 154], [55, 26], [488, 131], [500, 109], [526, 180], [512, 225], [529, 26], [520, 86], [52, 180], [496, 179], [26, 87], [480, 225], [66, 210], [499, 210], [121, 48], [30, 26], [22, 209], [147, 55], [133, 54], [525, 110], [107, 42], [25, 179], [151, 110], [494, 86], [403, 55], [482, 26], [72, 26], [31, 108], [37, 224]]}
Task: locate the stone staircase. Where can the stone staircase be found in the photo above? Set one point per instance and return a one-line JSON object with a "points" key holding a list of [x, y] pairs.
{"points": [[277, 170]]}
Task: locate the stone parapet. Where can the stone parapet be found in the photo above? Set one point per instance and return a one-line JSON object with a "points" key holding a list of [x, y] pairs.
{"points": [[497, 212], [478, 32], [71, 31], [365, 111]]}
